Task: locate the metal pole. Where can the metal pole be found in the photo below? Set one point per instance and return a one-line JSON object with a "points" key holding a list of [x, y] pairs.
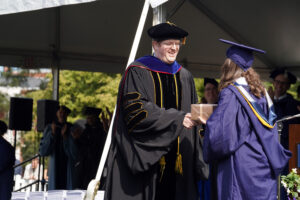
{"points": [[159, 15], [55, 74], [56, 58]]}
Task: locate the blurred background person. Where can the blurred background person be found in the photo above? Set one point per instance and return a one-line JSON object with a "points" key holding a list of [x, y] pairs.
{"points": [[59, 144], [32, 171], [91, 143], [211, 95], [285, 105], [210, 91], [6, 165]]}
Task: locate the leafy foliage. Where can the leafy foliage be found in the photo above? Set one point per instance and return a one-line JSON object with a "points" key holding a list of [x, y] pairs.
{"points": [[80, 89], [4, 107], [291, 183], [76, 90], [199, 84]]}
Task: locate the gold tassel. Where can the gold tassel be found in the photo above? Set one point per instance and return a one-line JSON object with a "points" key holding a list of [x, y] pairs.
{"points": [[178, 164], [162, 163], [170, 23], [183, 41]]}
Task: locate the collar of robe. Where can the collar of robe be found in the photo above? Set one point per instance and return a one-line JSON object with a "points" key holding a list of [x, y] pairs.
{"points": [[155, 64], [268, 121]]}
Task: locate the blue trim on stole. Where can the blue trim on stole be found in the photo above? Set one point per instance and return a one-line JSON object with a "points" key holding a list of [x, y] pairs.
{"points": [[156, 64], [271, 119]]}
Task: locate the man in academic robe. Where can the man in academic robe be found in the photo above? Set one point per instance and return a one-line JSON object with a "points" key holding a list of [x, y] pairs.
{"points": [[285, 105], [156, 151]]}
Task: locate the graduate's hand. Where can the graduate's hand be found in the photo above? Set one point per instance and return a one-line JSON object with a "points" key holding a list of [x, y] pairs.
{"points": [[188, 122]]}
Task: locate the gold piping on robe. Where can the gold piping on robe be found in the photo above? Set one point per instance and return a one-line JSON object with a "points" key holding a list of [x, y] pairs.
{"points": [[137, 115], [161, 92], [162, 163]]}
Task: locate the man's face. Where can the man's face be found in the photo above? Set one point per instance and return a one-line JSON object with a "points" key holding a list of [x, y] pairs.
{"points": [[211, 93], [34, 163], [166, 50], [91, 120], [281, 85], [61, 115]]}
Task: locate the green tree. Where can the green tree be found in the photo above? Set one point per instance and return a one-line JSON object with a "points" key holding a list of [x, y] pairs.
{"points": [[77, 89], [4, 107], [199, 87]]}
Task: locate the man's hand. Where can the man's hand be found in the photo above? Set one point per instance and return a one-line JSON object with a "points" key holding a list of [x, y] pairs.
{"points": [[188, 122]]}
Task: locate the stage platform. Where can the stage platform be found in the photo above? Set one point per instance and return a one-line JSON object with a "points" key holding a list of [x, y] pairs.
{"points": [[54, 195]]}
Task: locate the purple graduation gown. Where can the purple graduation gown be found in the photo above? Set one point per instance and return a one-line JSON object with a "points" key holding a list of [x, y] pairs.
{"points": [[248, 154]]}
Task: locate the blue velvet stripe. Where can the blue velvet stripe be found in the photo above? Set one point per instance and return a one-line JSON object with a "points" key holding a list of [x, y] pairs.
{"points": [[271, 119], [157, 65], [271, 116]]}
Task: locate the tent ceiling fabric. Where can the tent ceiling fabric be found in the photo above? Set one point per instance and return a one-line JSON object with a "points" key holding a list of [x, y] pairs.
{"points": [[97, 36], [16, 6]]}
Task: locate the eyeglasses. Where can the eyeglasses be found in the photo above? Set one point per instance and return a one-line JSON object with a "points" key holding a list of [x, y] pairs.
{"points": [[171, 44], [281, 82]]}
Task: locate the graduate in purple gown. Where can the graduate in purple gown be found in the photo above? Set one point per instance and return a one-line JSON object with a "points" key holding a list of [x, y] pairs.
{"points": [[241, 135]]}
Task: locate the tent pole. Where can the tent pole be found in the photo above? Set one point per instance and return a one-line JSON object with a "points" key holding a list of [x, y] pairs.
{"points": [[55, 74], [56, 58], [159, 15]]}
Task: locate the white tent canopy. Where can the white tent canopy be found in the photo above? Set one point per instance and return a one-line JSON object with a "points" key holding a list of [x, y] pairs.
{"points": [[97, 36], [10, 7]]}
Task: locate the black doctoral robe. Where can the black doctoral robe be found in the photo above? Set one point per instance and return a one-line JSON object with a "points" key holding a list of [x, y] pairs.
{"points": [[147, 125]]}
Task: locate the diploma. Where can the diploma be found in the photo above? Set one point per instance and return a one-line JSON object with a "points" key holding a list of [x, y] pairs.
{"points": [[202, 111]]}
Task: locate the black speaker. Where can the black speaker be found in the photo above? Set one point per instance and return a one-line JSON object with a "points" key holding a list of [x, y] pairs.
{"points": [[46, 112], [20, 114]]}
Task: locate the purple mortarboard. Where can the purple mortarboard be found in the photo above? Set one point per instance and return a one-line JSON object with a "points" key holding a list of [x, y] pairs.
{"points": [[240, 54]]}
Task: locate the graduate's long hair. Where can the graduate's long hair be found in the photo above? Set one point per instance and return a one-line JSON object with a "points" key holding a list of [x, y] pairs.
{"points": [[231, 72]]}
